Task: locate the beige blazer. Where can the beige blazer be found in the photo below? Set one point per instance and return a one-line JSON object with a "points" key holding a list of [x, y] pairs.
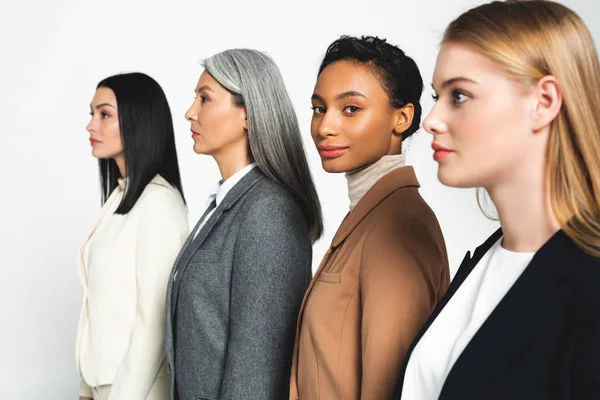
{"points": [[384, 273], [124, 265]]}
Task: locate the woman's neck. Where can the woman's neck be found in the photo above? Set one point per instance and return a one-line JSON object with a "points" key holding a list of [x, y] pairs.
{"points": [[524, 210], [230, 163], [362, 179], [120, 161]]}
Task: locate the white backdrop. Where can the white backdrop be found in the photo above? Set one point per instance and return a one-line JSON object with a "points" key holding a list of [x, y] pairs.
{"points": [[53, 53]]}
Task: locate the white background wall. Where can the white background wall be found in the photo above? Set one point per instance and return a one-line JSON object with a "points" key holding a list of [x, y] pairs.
{"points": [[53, 53]]}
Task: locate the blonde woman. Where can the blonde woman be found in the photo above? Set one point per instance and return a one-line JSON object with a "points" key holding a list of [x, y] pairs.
{"points": [[517, 88]]}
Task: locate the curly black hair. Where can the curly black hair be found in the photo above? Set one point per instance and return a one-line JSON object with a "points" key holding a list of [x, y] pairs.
{"points": [[398, 73]]}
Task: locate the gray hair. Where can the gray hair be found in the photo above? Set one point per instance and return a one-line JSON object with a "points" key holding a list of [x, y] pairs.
{"points": [[273, 132]]}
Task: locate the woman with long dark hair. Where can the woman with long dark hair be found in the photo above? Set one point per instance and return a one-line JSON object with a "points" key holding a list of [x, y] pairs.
{"points": [[124, 262], [236, 287]]}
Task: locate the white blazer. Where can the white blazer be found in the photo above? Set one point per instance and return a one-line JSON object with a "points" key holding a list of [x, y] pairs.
{"points": [[124, 265]]}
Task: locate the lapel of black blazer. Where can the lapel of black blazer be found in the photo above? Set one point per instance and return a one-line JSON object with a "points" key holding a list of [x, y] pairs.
{"points": [[514, 322], [465, 268], [192, 245]]}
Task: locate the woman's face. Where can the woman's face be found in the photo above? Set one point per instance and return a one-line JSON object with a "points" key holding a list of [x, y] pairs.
{"points": [[353, 124], [482, 121], [105, 133], [218, 125]]}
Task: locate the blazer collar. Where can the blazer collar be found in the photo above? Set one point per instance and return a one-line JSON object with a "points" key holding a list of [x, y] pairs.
{"points": [[232, 197], [397, 179], [465, 268], [193, 244], [159, 180], [240, 188], [470, 262], [108, 205]]}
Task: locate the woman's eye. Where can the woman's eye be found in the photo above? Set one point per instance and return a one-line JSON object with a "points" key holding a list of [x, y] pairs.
{"points": [[318, 109], [351, 109], [104, 115], [203, 99], [458, 97], [435, 97]]}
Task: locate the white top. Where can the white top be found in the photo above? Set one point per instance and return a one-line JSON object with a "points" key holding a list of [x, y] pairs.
{"points": [[220, 190], [452, 330], [124, 264]]}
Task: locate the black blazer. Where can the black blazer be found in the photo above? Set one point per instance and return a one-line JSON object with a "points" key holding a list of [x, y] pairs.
{"points": [[543, 339]]}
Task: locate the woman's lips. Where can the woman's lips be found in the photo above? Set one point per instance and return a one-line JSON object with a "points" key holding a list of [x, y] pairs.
{"points": [[440, 152], [331, 151]]}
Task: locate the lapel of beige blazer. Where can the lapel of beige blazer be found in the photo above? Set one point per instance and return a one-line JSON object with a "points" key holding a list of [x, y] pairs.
{"points": [[108, 205]]}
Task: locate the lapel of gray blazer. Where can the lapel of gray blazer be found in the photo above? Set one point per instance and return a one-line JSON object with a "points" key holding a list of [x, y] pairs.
{"points": [[175, 269], [192, 245], [172, 291]]}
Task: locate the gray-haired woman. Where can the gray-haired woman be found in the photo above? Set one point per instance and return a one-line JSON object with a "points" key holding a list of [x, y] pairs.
{"points": [[236, 287]]}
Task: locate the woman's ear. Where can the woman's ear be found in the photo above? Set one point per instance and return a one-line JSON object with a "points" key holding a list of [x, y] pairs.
{"points": [[403, 118], [548, 102], [244, 117]]}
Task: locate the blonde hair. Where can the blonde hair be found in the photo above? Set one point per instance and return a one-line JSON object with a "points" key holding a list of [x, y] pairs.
{"points": [[531, 39]]}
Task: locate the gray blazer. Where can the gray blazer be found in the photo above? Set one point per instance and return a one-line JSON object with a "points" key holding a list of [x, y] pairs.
{"points": [[232, 309]]}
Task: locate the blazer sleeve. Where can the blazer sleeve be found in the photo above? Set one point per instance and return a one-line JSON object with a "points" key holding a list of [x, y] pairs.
{"points": [[271, 271], [162, 229], [585, 374], [85, 390], [398, 293]]}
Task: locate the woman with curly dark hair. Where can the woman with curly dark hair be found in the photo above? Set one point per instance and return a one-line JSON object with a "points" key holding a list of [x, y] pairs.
{"points": [[387, 267]]}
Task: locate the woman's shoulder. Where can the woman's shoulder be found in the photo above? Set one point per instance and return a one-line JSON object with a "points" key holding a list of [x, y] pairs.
{"points": [[587, 269], [267, 193], [576, 272], [272, 205], [159, 194], [405, 207]]}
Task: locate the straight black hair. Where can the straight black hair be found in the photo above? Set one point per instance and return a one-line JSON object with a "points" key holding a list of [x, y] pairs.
{"points": [[148, 139]]}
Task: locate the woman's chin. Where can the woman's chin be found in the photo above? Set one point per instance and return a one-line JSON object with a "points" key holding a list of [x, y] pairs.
{"points": [[102, 154], [200, 149], [332, 166], [455, 180]]}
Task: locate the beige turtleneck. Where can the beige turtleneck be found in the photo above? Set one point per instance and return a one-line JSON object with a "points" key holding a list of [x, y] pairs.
{"points": [[360, 181]]}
